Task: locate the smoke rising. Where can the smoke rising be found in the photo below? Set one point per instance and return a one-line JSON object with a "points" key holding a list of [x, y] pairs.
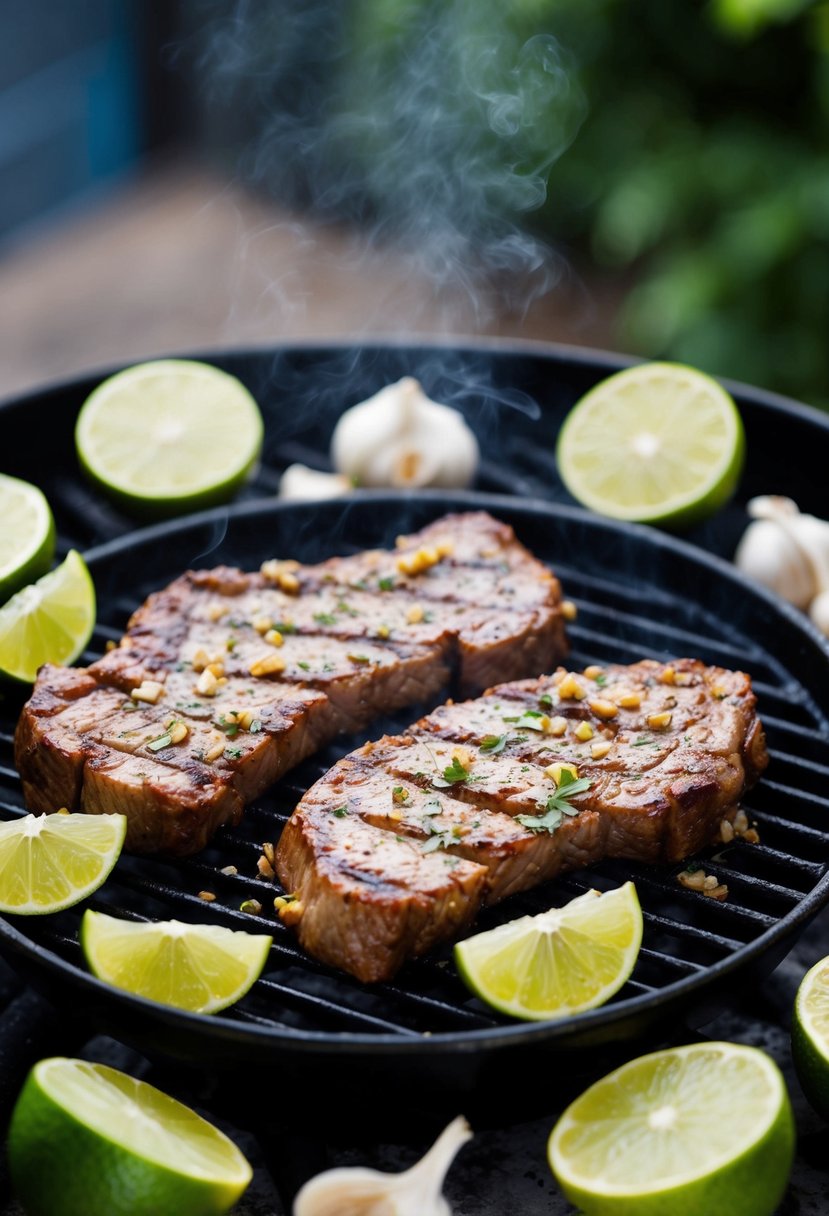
{"points": [[430, 126]]}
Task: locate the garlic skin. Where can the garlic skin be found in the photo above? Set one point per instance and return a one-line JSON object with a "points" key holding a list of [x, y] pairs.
{"points": [[301, 484], [364, 1192], [788, 553], [400, 438]]}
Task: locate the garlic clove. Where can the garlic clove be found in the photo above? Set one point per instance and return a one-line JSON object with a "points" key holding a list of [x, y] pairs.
{"points": [[364, 1192], [819, 612], [772, 506], [768, 553], [399, 437], [300, 483]]}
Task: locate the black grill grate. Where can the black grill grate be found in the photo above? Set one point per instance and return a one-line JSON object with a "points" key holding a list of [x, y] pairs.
{"points": [[639, 595], [623, 615]]}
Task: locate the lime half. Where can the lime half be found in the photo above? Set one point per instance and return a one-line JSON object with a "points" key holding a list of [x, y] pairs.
{"points": [[810, 1036], [560, 962], [49, 621], [199, 967], [50, 862], [658, 443], [88, 1139], [27, 535], [700, 1129], [169, 436]]}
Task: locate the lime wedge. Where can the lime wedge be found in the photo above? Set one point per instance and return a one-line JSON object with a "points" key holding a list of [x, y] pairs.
{"points": [[169, 436], [810, 1036], [49, 862], [27, 535], [197, 967], [700, 1129], [49, 621], [658, 443], [85, 1139], [560, 962]]}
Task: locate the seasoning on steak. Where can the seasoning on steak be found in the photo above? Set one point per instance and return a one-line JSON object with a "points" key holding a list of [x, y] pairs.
{"points": [[225, 680], [400, 844]]}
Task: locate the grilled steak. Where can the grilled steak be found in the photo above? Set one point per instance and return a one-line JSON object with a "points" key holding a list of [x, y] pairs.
{"points": [[225, 680], [403, 841]]}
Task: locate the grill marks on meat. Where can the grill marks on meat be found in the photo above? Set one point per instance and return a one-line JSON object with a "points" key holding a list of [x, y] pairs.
{"points": [[389, 854], [347, 640]]}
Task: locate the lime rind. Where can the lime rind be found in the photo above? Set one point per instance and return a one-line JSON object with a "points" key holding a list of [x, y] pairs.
{"points": [[169, 436], [200, 968], [658, 468], [27, 539], [50, 621], [557, 964], [86, 1138], [694, 1129], [810, 1036], [52, 862]]}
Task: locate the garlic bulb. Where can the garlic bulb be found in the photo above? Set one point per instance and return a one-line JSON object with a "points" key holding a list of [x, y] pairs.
{"points": [[788, 553], [300, 483], [364, 1192], [401, 438]]}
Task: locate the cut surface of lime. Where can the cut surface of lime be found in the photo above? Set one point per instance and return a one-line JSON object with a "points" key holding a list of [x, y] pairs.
{"points": [[169, 436], [85, 1138], [50, 862], [810, 1036], [560, 962], [690, 1130], [49, 621], [198, 967], [658, 443], [27, 535]]}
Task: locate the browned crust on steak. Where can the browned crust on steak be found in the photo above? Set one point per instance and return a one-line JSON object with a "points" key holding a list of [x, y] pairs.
{"points": [[358, 636], [658, 794]]}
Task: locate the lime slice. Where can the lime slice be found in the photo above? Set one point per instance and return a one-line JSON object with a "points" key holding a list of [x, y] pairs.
{"points": [[49, 862], [658, 443], [197, 967], [49, 621], [88, 1139], [700, 1129], [810, 1036], [27, 535], [560, 962], [170, 436]]}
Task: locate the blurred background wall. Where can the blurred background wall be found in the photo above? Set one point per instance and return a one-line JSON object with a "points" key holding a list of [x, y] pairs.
{"points": [[627, 173]]}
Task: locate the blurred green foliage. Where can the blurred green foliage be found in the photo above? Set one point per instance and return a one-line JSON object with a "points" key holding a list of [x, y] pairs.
{"points": [[686, 142]]}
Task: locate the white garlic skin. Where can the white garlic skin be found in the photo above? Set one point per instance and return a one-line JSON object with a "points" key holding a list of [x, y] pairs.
{"points": [[788, 553], [364, 1192], [300, 484], [401, 438], [766, 553]]}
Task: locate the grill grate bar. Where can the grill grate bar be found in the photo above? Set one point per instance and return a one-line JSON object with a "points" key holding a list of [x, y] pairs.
{"points": [[670, 962], [354, 1018], [683, 642]]}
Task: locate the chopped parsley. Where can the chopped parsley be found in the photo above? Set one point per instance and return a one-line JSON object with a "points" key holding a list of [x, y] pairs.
{"points": [[305, 666], [601, 680], [346, 609], [232, 753], [325, 618], [340, 812], [231, 729], [453, 773], [165, 740], [493, 744], [642, 741], [255, 726], [359, 658], [386, 583], [438, 839], [284, 626], [546, 699], [557, 805]]}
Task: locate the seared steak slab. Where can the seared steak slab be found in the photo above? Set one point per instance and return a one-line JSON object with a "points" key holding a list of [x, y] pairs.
{"points": [[225, 680], [403, 841]]}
